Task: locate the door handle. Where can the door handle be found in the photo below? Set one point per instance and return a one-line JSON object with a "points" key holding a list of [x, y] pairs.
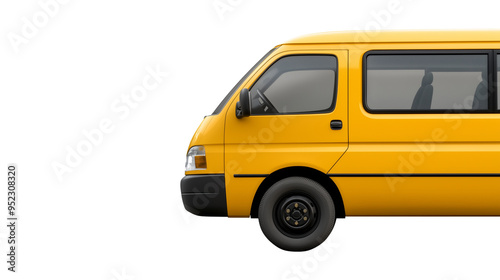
{"points": [[336, 125]]}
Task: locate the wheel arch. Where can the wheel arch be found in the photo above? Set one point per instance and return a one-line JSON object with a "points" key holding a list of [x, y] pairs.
{"points": [[306, 172]]}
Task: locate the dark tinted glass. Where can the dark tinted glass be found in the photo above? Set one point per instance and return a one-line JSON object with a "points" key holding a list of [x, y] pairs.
{"points": [[426, 82], [296, 84]]}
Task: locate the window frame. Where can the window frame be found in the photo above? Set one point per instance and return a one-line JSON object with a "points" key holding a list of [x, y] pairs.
{"points": [[335, 90], [494, 85], [492, 80]]}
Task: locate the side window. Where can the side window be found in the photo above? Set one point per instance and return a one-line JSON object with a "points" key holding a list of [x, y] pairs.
{"points": [[296, 84], [498, 80], [426, 82]]}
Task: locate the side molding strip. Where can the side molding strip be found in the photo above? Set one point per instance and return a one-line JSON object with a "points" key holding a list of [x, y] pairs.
{"points": [[250, 175]]}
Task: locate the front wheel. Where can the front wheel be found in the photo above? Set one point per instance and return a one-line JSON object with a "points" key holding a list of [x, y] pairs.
{"points": [[296, 214]]}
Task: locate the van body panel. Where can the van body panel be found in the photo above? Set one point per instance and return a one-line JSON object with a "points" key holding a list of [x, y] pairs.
{"points": [[418, 164], [419, 179], [420, 196], [261, 145], [210, 134]]}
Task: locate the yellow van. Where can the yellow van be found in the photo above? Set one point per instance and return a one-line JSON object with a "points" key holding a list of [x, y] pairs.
{"points": [[352, 124]]}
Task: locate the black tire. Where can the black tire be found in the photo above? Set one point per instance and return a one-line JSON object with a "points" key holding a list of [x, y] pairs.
{"points": [[296, 214]]}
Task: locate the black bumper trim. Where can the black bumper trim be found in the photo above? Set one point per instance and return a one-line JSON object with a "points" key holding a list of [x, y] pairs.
{"points": [[204, 195]]}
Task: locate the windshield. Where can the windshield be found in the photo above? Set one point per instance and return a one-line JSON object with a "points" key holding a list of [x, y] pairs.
{"points": [[231, 93]]}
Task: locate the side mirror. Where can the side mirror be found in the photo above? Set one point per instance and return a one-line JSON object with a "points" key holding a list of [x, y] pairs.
{"points": [[243, 106]]}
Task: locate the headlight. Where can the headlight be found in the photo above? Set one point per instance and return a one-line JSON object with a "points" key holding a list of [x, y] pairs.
{"points": [[196, 159]]}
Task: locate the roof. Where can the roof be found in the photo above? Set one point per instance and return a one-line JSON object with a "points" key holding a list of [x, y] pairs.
{"points": [[399, 36]]}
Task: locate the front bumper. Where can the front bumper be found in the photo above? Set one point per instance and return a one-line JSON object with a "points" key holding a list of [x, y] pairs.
{"points": [[204, 195]]}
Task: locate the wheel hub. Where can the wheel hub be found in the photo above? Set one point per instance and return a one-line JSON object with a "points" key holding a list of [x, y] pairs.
{"points": [[298, 212]]}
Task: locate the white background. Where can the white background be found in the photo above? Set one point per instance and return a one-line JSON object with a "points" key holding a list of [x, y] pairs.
{"points": [[118, 214]]}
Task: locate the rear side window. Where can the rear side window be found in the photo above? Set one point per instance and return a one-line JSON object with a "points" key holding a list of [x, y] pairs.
{"points": [[498, 79], [296, 84], [426, 82]]}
